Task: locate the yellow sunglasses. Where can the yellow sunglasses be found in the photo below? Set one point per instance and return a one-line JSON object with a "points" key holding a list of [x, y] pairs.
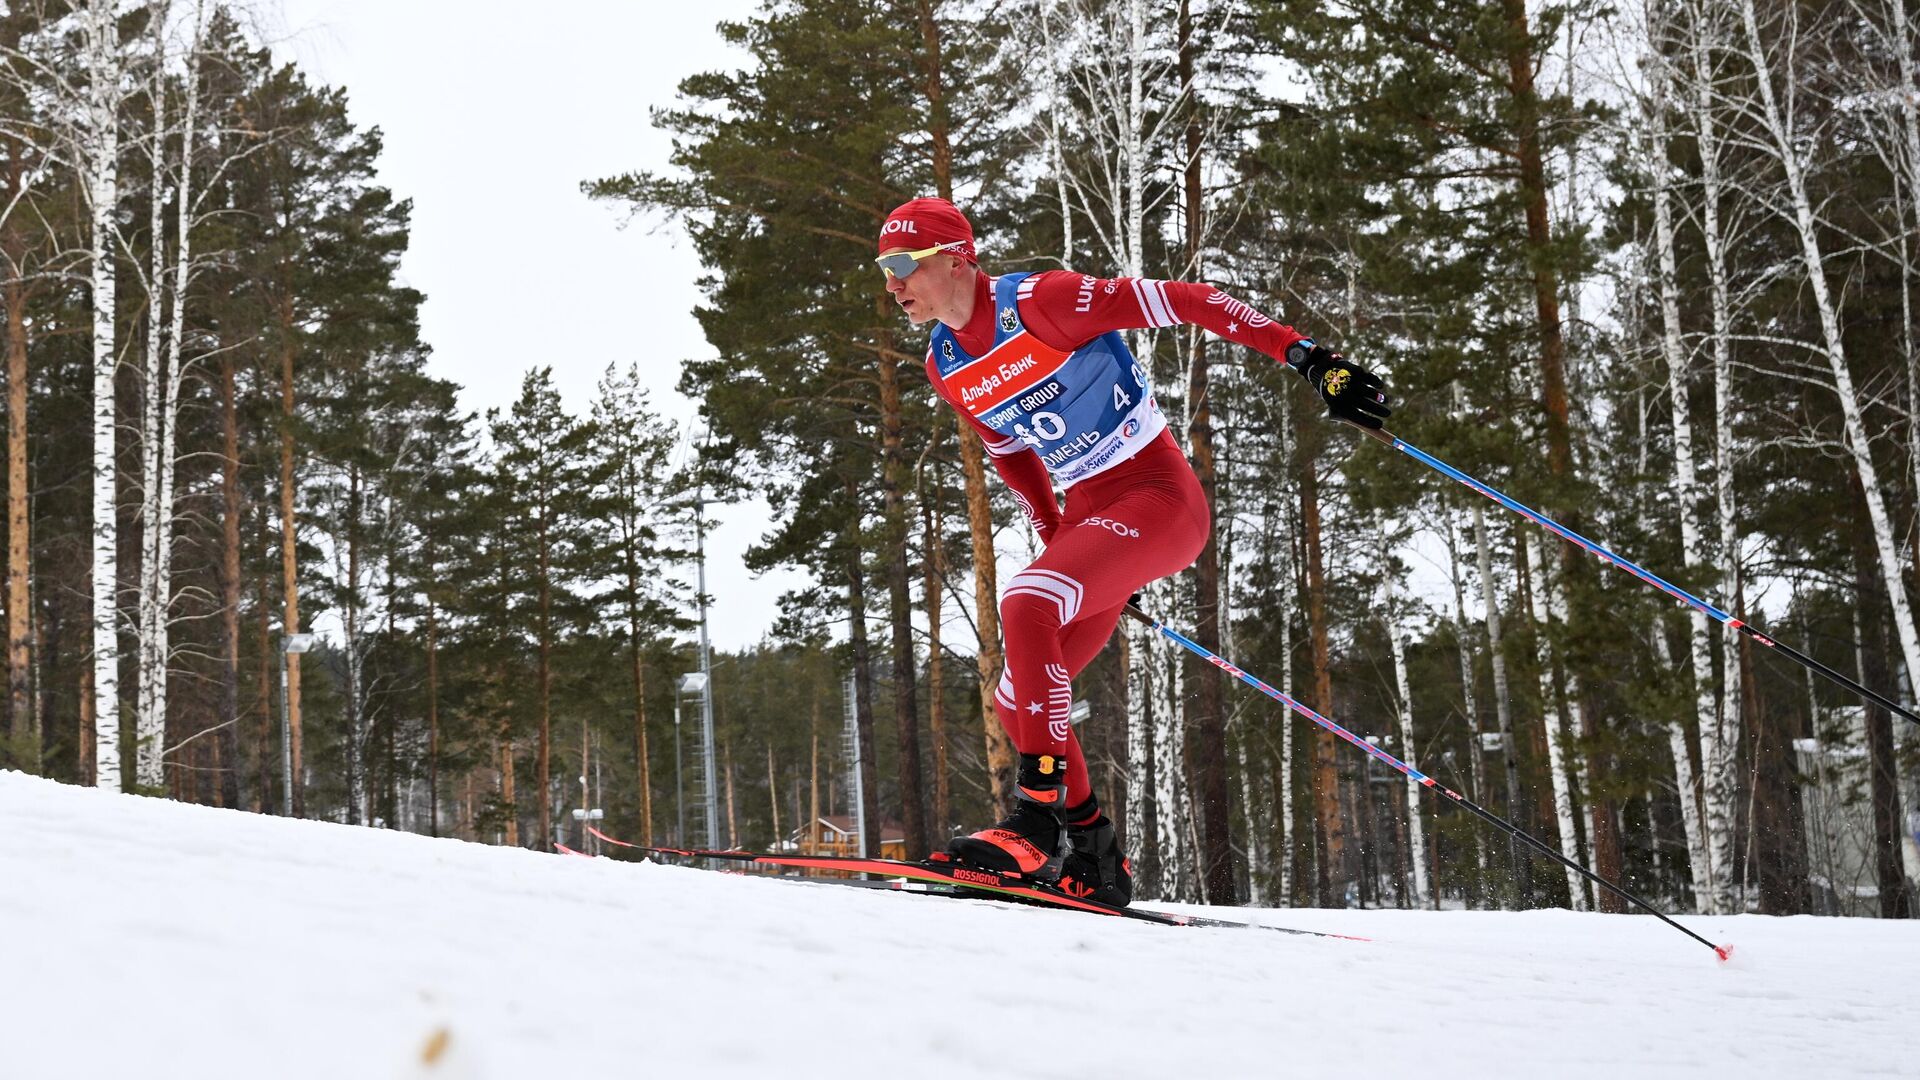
{"points": [[902, 264]]}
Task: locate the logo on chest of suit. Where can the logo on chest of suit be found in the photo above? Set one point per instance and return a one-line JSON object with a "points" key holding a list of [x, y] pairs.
{"points": [[946, 350], [1009, 320]]}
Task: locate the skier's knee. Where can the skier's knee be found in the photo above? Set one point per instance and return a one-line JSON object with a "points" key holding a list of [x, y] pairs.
{"points": [[1040, 597]]}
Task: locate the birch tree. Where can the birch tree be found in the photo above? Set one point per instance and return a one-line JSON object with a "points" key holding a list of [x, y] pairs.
{"points": [[1779, 116], [98, 159], [165, 369], [1502, 701], [1719, 733], [1469, 700], [1397, 648], [1558, 764], [1707, 22], [1288, 600]]}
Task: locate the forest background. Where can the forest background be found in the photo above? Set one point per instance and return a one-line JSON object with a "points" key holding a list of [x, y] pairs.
{"points": [[1647, 268]]}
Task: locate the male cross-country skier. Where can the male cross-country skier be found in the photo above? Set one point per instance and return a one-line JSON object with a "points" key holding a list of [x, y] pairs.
{"points": [[1036, 364]]}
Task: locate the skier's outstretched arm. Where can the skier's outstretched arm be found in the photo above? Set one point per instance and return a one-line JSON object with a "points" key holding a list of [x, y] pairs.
{"points": [[1064, 309]]}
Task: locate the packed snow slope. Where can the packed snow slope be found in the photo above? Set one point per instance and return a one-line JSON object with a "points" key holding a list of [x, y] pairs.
{"points": [[140, 937]]}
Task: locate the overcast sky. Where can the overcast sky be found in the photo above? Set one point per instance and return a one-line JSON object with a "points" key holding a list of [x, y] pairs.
{"points": [[493, 114]]}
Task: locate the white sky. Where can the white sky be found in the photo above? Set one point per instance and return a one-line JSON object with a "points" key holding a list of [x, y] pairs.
{"points": [[493, 113]]}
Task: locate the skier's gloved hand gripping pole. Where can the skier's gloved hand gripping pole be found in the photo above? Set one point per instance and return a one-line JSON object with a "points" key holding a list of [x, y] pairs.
{"points": [[1375, 432], [1352, 393], [1133, 609]]}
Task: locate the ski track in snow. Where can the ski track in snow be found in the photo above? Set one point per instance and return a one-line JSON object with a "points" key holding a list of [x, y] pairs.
{"points": [[152, 938]]}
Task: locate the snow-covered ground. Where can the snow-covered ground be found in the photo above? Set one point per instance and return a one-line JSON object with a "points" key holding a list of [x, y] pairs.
{"points": [[140, 937]]}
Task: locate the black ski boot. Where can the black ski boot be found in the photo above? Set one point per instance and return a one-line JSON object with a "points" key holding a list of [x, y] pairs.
{"points": [[1031, 841], [1096, 869]]}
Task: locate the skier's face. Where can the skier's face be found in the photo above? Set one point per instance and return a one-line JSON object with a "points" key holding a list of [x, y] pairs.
{"points": [[934, 289]]}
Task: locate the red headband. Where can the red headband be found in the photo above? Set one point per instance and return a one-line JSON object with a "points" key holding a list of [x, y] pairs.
{"points": [[925, 223]]}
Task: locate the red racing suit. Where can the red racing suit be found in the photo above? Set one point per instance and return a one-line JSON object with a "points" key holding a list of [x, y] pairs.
{"points": [[1042, 374]]}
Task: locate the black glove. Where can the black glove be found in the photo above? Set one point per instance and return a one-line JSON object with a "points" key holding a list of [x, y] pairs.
{"points": [[1352, 393]]}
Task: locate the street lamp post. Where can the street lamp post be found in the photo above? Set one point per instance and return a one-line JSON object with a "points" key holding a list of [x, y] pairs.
{"points": [[698, 501], [585, 816], [293, 644], [679, 782], [695, 682], [707, 748]]}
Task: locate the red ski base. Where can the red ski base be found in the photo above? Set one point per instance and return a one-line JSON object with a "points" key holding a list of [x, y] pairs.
{"points": [[942, 870]]}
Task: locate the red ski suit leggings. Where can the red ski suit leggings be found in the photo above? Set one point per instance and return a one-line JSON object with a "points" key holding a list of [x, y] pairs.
{"points": [[1133, 524]]}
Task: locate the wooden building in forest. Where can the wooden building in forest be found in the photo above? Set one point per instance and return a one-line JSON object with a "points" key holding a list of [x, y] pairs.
{"points": [[835, 834]]}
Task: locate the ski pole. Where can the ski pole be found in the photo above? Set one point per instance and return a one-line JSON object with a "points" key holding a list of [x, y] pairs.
{"points": [[1387, 438], [1721, 951]]}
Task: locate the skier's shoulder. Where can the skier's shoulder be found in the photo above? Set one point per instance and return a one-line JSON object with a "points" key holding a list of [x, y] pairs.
{"points": [[1048, 287]]}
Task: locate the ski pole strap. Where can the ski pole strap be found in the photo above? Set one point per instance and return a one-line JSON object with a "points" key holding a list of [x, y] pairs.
{"points": [[1133, 609], [1387, 438]]}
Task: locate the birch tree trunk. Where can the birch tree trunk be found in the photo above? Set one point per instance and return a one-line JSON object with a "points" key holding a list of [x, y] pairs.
{"points": [[290, 582], [165, 370], [1476, 757], [1157, 686], [1686, 787], [1557, 765], [359, 791], [1416, 836], [1207, 701], [1056, 104], [150, 716], [175, 363], [1707, 147], [1139, 773], [1719, 735], [1517, 865], [100, 154]]}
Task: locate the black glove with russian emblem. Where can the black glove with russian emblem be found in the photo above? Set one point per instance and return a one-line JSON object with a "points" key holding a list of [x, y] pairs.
{"points": [[1352, 393]]}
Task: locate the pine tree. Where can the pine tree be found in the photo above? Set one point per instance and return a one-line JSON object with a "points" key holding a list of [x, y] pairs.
{"points": [[633, 446], [544, 473]]}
